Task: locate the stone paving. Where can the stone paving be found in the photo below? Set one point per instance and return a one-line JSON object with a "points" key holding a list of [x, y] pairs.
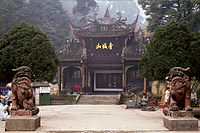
{"points": [[99, 118]]}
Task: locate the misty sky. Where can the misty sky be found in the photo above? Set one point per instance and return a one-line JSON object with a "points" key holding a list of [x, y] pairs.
{"points": [[128, 8]]}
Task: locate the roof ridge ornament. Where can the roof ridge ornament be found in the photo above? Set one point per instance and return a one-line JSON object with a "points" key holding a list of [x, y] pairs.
{"points": [[107, 14], [135, 22]]}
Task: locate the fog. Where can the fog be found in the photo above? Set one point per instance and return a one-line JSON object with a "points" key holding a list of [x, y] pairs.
{"points": [[128, 8]]}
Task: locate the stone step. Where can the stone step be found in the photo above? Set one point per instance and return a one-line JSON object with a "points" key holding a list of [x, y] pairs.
{"points": [[98, 99]]}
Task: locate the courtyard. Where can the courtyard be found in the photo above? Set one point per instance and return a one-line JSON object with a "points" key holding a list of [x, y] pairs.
{"points": [[98, 118]]}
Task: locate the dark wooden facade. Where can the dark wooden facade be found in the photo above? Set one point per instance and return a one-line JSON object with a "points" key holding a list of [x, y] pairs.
{"points": [[105, 63]]}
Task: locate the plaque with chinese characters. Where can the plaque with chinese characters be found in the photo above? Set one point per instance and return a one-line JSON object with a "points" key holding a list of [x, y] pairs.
{"points": [[108, 46]]}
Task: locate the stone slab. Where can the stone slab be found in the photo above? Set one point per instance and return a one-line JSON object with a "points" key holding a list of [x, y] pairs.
{"points": [[181, 123], [22, 123]]}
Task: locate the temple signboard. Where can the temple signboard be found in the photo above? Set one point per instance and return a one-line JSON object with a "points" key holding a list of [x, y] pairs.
{"points": [[104, 46]]}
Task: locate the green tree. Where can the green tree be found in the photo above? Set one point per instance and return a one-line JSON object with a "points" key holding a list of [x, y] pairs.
{"points": [[27, 46], [195, 53], [163, 12], [171, 45], [83, 8]]}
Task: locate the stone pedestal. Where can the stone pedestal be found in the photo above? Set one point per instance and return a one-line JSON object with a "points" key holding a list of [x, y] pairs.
{"points": [[180, 120], [22, 123], [181, 123]]}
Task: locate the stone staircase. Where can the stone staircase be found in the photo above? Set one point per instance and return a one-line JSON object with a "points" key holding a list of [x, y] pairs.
{"points": [[98, 99]]}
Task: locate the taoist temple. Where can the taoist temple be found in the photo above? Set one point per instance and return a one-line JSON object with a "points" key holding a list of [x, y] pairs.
{"points": [[103, 54]]}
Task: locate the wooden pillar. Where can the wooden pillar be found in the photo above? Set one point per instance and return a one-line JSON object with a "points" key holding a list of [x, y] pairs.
{"points": [[59, 78], [145, 85], [83, 66], [83, 74], [89, 78], [123, 76], [86, 76]]}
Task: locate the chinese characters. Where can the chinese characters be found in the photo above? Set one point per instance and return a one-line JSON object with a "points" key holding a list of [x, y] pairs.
{"points": [[104, 46]]}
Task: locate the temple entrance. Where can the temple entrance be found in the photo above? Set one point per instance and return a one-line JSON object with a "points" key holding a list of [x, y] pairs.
{"points": [[71, 77], [108, 81]]}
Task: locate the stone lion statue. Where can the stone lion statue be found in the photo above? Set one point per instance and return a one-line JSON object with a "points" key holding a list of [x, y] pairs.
{"points": [[22, 91], [180, 89]]}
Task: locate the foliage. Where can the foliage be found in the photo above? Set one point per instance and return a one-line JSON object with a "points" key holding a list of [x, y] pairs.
{"points": [[48, 15], [163, 12], [27, 46], [171, 45], [134, 90], [156, 97], [87, 89], [195, 48], [83, 8], [198, 94]]}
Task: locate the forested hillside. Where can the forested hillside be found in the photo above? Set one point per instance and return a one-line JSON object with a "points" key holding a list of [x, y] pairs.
{"points": [[47, 15], [128, 8]]}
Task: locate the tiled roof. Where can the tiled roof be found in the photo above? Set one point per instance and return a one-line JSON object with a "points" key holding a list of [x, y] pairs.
{"points": [[105, 27], [133, 52], [104, 58], [70, 52], [107, 33]]}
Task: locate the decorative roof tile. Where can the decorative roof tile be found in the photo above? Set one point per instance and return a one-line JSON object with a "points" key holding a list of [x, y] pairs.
{"points": [[105, 27]]}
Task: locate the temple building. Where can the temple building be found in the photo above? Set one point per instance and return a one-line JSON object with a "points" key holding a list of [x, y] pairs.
{"points": [[103, 54]]}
